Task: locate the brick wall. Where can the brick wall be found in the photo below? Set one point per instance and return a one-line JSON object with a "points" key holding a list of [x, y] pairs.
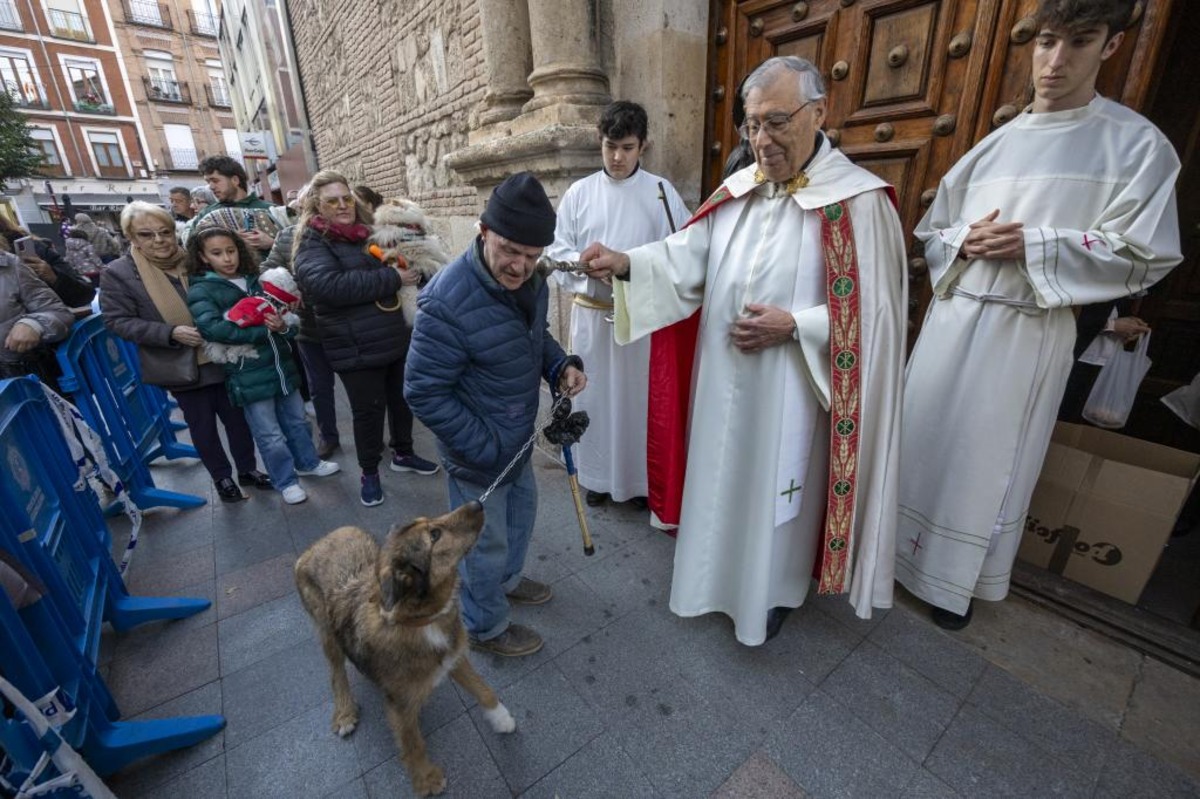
{"points": [[390, 89]]}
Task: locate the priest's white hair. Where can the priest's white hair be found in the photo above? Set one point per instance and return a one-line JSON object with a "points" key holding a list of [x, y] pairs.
{"points": [[812, 85]]}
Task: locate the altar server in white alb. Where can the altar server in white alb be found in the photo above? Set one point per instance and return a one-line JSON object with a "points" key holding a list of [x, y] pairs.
{"points": [[1069, 204], [798, 262], [619, 205]]}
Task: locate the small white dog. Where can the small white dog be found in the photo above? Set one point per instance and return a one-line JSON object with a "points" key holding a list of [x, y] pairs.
{"points": [[401, 239], [280, 295]]}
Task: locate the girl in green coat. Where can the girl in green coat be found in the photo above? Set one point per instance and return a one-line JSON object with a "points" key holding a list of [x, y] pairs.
{"points": [[263, 381]]}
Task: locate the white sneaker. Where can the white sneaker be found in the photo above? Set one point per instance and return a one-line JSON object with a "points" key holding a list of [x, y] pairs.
{"points": [[294, 495], [322, 469]]}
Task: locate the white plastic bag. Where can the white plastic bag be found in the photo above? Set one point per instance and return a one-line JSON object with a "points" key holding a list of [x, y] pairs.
{"points": [[1185, 402], [1116, 386]]}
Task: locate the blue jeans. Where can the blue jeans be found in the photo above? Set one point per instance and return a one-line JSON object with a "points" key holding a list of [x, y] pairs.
{"points": [[283, 437], [493, 566]]}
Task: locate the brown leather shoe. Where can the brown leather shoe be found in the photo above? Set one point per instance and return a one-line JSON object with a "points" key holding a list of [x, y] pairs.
{"points": [[517, 641], [530, 592]]}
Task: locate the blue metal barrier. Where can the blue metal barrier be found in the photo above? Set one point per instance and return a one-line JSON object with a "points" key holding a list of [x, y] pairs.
{"points": [[100, 371], [53, 526]]}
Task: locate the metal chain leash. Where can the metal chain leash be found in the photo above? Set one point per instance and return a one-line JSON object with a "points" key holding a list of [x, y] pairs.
{"points": [[521, 453]]}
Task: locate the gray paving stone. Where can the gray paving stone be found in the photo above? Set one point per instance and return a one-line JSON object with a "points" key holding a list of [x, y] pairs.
{"points": [[155, 579], [600, 770], [1043, 721], [895, 701], [635, 573], [553, 722], [814, 642], [161, 674], [926, 786], [830, 753], [275, 690], [144, 776], [574, 611], [270, 627], [205, 781], [373, 740], [255, 534], [298, 758], [355, 790], [1164, 715], [460, 752], [684, 744], [243, 589], [166, 533], [1131, 773], [979, 757], [761, 778], [920, 645], [837, 606]]}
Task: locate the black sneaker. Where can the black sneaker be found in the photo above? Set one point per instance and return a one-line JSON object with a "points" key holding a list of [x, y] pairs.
{"points": [[775, 617], [228, 491], [596, 498], [257, 479], [413, 463], [327, 448]]}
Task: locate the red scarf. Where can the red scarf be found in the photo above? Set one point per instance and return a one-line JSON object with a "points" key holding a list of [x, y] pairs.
{"points": [[354, 233]]}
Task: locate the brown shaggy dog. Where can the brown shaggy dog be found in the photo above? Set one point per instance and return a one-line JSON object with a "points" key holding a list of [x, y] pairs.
{"points": [[393, 611]]}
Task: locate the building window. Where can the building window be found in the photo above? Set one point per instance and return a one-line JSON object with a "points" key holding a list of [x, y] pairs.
{"points": [[233, 143], [218, 91], [10, 19], [45, 145], [106, 148], [20, 81], [160, 79], [67, 20], [88, 90], [147, 12], [204, 20], [181, 150]]}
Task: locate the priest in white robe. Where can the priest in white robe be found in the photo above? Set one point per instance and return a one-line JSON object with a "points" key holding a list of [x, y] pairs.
{"points": [[619, 205], [797, 268], [1071, 203]]}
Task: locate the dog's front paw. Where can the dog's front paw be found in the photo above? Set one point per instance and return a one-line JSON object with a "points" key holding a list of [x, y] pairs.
{"points": [[500, 719], [429, 781], [345, 721]]}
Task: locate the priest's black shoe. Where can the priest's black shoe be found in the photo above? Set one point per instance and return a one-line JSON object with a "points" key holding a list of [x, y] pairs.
{"points": [[641, 503], [948, 620], [775, 617], [596, 498], [255, 478], [228, 491]]}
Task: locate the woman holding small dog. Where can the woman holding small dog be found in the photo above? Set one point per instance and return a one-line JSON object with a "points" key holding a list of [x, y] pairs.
{"points": [[350, 292], [143, 299], [263, 381]]}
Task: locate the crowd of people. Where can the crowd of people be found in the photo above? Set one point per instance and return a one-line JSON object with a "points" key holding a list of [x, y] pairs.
{"points": [[747, 378]]}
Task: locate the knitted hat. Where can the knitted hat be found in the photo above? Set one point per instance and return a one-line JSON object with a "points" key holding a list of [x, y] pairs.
{"points": [[520, 211]]}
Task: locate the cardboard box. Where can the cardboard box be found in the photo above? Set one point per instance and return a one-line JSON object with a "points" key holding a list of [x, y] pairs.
{"points": [[1104, 508]]}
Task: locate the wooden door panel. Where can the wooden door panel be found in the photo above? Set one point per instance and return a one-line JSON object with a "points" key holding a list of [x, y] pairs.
{"points": [[899, 51]]}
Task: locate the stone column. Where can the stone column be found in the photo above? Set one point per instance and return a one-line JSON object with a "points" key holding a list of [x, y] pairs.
{"points": [[565, 38], [506, 53]]}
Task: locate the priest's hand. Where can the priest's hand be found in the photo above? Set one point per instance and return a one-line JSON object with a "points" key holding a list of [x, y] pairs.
{"points": [[763, 326], [995, 240], [604, 263]]}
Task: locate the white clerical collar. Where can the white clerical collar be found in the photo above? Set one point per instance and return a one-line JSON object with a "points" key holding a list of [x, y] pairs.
{"points": [[1051, 119]]}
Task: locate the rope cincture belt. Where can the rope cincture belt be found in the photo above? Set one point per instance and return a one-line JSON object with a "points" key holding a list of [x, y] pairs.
{"points": [[584, 301]]}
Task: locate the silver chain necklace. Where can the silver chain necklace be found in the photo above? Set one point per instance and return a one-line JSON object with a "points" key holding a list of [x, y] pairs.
{"points": [[521, 453]]}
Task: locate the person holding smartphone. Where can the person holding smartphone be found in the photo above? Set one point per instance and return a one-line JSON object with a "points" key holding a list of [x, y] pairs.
{"points": [[40, 256]]}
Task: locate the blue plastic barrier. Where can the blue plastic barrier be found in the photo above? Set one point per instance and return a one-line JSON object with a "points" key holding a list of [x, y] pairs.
{"points": [[56, 531], [133, 421], [158, 398]]}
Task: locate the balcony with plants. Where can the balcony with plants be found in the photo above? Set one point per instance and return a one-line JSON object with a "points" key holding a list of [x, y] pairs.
{"points": [[167, 91]]}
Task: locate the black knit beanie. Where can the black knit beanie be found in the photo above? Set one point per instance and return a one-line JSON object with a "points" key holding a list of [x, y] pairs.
{"points": [[520, 211]]}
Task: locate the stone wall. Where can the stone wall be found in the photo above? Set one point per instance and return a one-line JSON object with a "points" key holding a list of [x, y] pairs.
{"points": [[390, 89]]}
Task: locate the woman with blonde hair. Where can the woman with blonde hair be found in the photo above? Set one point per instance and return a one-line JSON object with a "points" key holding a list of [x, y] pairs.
{"points": [[349, 290], [143, 299]]}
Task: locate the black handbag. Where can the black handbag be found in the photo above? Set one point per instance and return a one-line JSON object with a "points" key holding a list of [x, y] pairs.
{"points": [[169, 367]]}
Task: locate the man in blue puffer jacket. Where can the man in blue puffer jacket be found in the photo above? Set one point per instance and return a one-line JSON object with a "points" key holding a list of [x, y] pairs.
{"points": [[480, 348]]}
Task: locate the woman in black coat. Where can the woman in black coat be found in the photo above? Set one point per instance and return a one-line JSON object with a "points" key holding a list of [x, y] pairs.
{"points": [[348, 289]]}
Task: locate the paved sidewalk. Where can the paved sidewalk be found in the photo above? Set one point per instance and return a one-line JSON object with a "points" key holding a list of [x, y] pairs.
{"points": [[626, 700]]}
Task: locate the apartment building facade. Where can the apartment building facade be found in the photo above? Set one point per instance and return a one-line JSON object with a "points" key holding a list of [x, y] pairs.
{"points": [[59, 61], [178, 85]]}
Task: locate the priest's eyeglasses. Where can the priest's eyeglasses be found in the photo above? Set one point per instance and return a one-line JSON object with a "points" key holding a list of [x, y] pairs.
{"points": [[774, 124]]}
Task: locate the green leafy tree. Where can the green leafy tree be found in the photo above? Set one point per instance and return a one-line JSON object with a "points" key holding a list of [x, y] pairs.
{"points": [[19, 156]]}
